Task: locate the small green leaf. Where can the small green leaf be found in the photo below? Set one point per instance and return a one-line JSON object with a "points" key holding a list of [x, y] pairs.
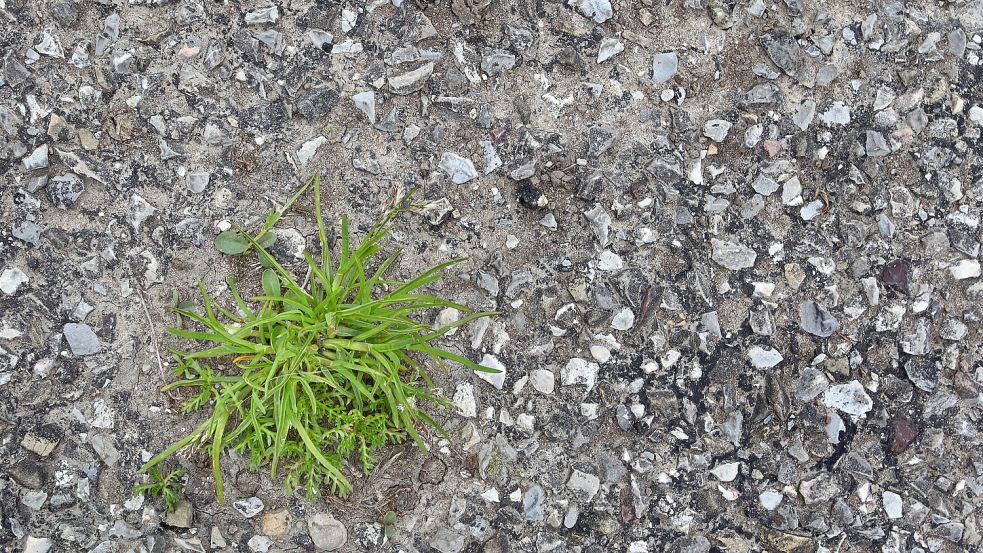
{"points": [[265, 259], [389, 518], [390, 530], [271, 283], [267, 239], [231, 242]]}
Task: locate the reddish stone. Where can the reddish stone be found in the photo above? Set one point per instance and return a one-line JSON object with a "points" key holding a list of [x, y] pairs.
{"points": [[626, 507], [895, 274], [471, 464], [965, 386], [772, 147], [903, 432]]}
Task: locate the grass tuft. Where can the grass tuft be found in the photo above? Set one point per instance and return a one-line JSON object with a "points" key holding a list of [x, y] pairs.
{"points": [[306, 379]]}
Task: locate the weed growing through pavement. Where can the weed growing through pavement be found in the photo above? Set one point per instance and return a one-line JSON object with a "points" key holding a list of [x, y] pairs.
{"points": [[305, 378], [166, 486]]}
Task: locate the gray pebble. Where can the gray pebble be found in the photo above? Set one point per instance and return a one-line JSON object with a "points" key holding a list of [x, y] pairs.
{"points": [[81, 339], [732, 255], [249, 507], [326, 532], [816, 320], [664, 66], [533, 504], [459, 169]]}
